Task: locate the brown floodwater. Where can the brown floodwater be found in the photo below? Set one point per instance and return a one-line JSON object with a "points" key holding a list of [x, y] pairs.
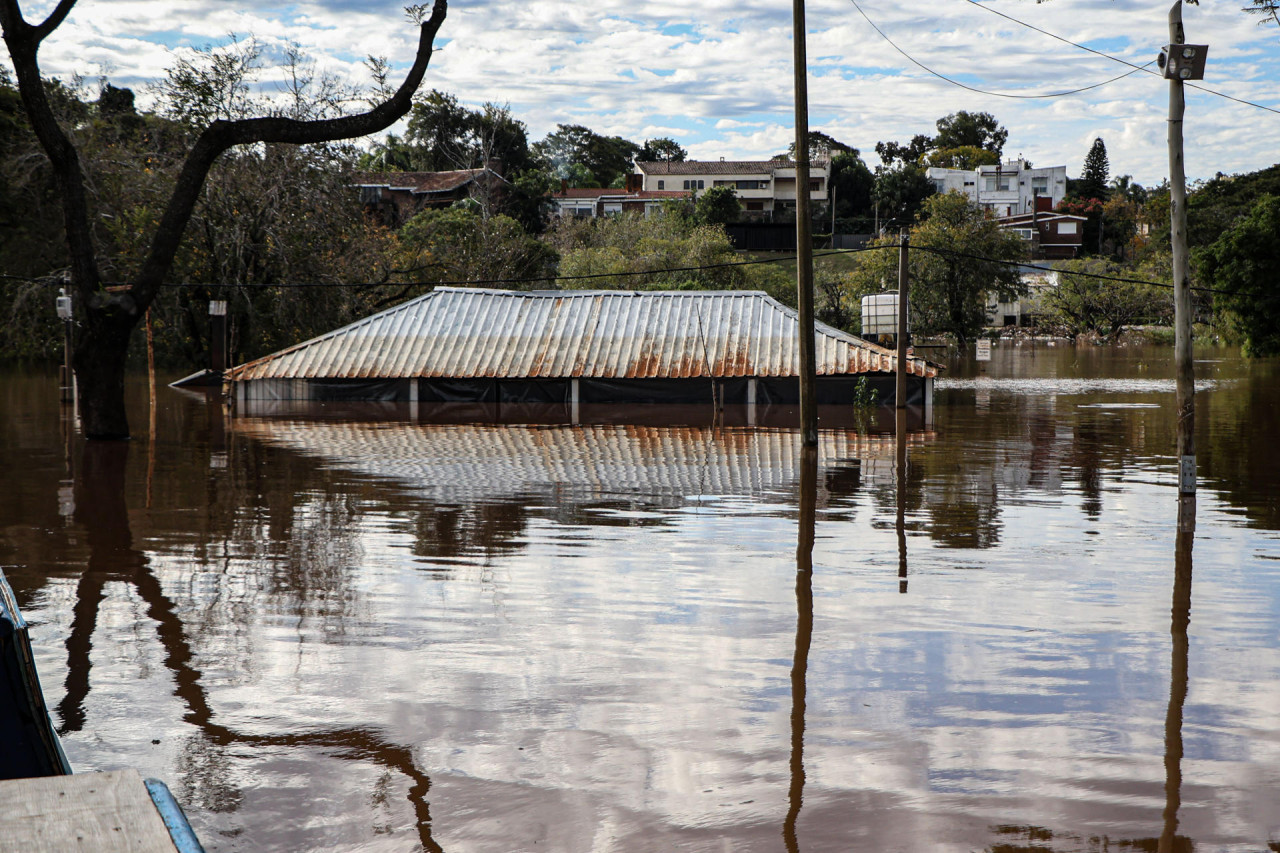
{"points": [[375, 629]]}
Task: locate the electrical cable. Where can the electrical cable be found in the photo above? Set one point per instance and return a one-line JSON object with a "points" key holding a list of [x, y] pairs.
{"points": [[954, 82], [1135, 68]]}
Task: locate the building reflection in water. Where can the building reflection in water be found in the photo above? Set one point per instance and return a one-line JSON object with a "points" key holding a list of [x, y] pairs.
{"points": [[102, 511]]}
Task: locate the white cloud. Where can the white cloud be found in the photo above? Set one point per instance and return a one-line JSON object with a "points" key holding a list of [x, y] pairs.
{"points": [[719, 73]]}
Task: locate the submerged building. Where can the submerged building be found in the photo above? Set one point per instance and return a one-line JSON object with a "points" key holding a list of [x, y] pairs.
{"points": [[578, 347]]}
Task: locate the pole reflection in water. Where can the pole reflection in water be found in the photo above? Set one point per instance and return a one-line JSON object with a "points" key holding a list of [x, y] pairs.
{"points": [[1179, 621], [804, 637], [900, 468], [102, 510]]}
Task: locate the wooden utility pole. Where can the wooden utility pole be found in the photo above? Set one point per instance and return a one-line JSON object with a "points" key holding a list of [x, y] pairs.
{"points": [[1181, 62], [904, 282], [804, 237]]}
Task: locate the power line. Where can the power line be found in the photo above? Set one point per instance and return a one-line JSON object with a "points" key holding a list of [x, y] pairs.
{"points": [[552, 279], [1135, 68], [954, 82]]}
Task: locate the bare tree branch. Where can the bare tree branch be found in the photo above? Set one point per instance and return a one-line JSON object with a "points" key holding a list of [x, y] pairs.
{"points": [[222, 135], [55, 19]]}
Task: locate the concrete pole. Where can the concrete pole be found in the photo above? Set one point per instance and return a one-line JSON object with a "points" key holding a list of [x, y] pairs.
{"points": [[804, 237], [904, 282], [1185, 394]]}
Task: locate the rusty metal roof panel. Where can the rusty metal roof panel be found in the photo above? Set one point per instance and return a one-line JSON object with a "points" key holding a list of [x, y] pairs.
{"points": [[470, 333]]}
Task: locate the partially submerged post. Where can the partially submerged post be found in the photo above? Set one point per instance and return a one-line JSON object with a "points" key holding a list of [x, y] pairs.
{"points": [[900, 391], [804, 238], [1181, 61]]}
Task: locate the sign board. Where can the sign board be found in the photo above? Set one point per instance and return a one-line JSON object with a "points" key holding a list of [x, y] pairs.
{"points": [[984, 350]]}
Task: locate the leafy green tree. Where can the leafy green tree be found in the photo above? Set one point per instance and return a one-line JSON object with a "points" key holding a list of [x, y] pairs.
{"points": [[821, 147], [1243, 263], [851, 186], [662, 149], [1082, 305], [1216, 205], [606, 157], [718, 206], [107, 318], [899, 193], [893, 154], [971, 130], [971, 257], [456, 244], [636, 253], [968, 157], [1096, 173]]}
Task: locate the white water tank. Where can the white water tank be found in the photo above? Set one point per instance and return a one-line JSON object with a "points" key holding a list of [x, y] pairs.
{"points": [[880, 314]]}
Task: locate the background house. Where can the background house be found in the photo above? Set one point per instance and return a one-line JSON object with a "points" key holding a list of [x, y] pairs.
{"points": [[1007, 188], [1053, 236], [395, 197], [585, 202], [763, 186]]}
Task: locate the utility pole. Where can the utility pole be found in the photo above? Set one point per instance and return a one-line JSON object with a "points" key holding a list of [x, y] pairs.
{"points": [[900, 391], [1181, 61], [66, 381], [804, 237]]}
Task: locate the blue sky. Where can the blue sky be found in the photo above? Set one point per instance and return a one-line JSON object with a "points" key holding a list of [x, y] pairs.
{"points": [[717, 77]]}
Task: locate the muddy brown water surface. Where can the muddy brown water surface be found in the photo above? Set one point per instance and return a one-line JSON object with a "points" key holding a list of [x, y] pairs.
{"points": [[349, 630]]}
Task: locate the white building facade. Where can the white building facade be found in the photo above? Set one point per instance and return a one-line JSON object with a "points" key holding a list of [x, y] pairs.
{"points": [[1006, 189], [762, 186]]}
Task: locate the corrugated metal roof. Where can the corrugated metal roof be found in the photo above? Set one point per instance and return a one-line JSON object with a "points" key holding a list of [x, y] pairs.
{"points": [[470, 333]]}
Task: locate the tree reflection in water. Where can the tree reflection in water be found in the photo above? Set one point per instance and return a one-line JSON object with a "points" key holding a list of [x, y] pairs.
{"points": [[101, 509]]}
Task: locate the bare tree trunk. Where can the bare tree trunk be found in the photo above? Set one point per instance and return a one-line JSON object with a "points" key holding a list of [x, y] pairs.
{"points": [[109, 318]]}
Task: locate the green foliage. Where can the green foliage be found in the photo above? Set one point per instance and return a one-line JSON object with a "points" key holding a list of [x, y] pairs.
{"points": [[662, 149], [821, 147], [948, 291], [1081, 305], [443, 135], [457, 244], [718, 206], [957, 133], [1096, 173], [605, 157], [971, 130], [894, 154], [968, 157], [851, 186], [1216, 206], [1244, 261], [865, 398], [900, 192], [631, 252]]}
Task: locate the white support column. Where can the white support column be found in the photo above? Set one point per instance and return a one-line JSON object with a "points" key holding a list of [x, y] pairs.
{"points": [[573, 400], [928, 401], [413, 398], [751, 401]]}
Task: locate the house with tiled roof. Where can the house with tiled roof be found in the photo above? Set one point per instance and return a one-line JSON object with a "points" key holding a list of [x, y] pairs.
{"points": [[763, 186], [396, 196], [584, 202]]}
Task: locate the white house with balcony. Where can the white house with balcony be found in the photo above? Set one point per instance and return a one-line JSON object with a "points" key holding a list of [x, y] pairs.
{"points": [[763, 186], [1006, 189]]}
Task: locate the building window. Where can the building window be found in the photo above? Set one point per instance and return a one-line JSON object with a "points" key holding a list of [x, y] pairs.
{"points": [[1067, 228], [701, 184], [1040, 186], [996, 183], [662, 185], [815, 186]]}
